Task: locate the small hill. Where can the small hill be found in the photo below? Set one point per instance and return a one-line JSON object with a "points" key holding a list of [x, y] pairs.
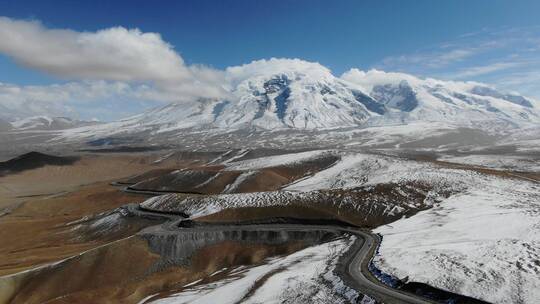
{"points": [[34, 160]]}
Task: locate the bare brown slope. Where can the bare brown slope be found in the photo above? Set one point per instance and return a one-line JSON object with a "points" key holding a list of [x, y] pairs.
{"points": [[124, 272], [368, 206], [214, 179], [36, 206], [37, 231], [51, 179]]}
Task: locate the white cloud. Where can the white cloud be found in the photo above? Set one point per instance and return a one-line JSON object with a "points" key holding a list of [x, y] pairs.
{"points": [[467, 49], [105, 98], [437, 59], [68, 99], [114, 62], [367, 80], [271, 66], [17, 103], [114, 54], [486, 69], [117, 68], [526, 81], [501, 57]]}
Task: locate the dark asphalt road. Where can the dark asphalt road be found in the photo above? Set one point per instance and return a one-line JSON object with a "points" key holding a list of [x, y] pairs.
{"points": [[358, 258]]}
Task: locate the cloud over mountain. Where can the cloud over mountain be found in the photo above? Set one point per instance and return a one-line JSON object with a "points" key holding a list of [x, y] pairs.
{"points": [[113, 70], [113, 54]]}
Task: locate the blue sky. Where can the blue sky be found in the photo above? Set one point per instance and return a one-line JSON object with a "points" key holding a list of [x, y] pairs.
{"points": [[491, 41]]}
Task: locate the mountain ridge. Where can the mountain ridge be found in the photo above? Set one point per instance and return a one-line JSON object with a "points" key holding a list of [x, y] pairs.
{"points": [[269, 97]]}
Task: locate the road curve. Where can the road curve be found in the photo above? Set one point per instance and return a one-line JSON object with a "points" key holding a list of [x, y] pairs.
{"points": [[366, 282], [357, 258]]}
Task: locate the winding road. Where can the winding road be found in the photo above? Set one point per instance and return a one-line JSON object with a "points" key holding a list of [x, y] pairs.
{"points": [[365, 281], [357, 259]]}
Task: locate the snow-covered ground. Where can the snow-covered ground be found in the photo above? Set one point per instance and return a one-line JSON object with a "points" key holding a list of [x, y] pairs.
{"points": [[524, 139], [358, 169], [277, 160], [531, 145], [303, 277], [483, 242], [481, 237], [351, 171], [199, 206], [395, 134], [507, 162]]}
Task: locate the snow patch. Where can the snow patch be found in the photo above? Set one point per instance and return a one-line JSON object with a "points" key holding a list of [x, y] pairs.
{"points": [[303, 276]]}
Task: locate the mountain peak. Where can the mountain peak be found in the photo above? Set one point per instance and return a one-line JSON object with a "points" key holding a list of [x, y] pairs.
{"points": [[294, 69], [293, 94]]}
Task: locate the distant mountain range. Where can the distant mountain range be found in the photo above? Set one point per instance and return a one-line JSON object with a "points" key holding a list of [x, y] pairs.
{"points": [[307, 97], [43, 123]]}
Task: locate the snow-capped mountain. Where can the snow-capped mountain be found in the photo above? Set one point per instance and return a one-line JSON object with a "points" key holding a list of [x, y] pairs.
{"points": [[292, 94], [48, 123], [468, 104]]}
